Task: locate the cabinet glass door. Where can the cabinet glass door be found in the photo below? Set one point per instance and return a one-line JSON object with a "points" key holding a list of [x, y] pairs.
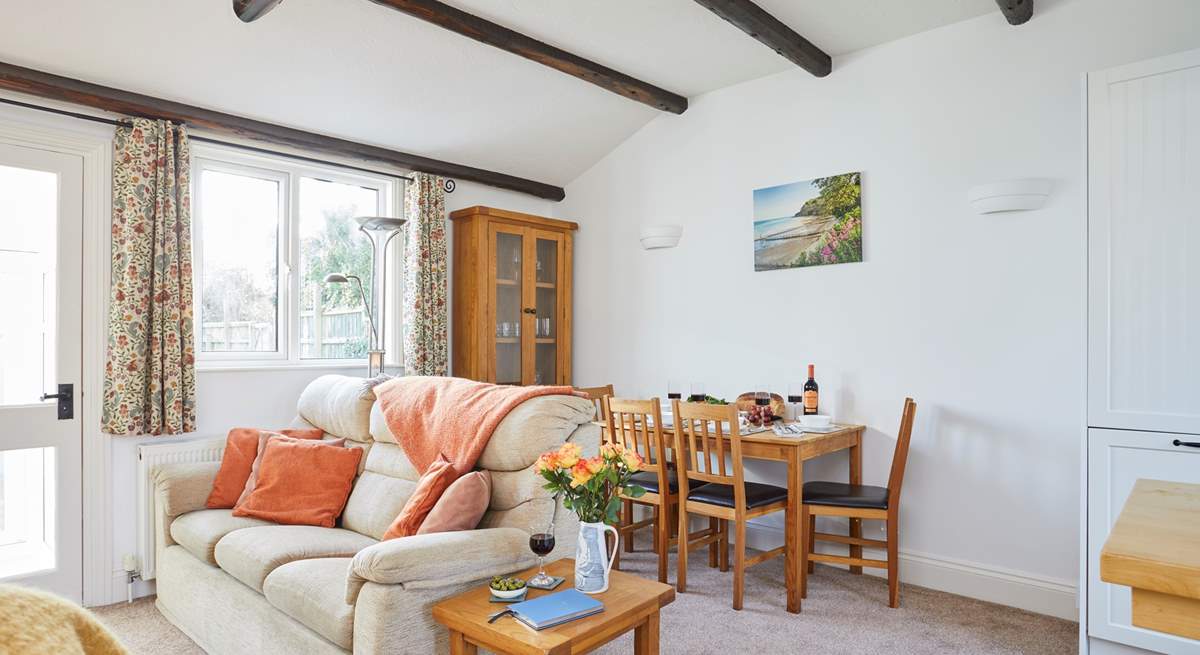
{"points": [[508, 258], [546, 303]]}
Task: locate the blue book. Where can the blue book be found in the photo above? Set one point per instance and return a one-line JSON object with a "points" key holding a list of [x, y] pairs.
{"points": [[554, 609]]}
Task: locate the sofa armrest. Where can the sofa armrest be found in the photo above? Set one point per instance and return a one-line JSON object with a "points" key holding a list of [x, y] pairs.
{"points": [[441, 559], [183, 488]]}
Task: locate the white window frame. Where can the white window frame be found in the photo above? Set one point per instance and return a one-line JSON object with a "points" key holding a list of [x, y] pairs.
{"points": [[288, 172]]}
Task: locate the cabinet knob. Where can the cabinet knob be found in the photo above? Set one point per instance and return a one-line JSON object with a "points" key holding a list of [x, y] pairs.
{"points": [[529, 310]]}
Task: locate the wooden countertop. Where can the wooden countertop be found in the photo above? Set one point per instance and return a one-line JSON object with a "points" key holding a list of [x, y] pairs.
{"points": [[1154, 548]]}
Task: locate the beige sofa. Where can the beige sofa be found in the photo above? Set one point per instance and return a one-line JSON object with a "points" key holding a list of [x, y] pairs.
{"points": [[242, 585]]}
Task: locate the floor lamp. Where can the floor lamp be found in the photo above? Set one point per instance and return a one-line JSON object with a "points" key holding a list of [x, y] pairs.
{"points": [[379, 230]]}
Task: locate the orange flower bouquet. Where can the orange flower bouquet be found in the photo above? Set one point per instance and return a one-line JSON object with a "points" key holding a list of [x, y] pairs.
{"points": [[590, 487]]}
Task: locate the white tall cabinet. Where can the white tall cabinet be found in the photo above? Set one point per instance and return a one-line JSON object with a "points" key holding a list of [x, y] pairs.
{"points": [[1143, 312]]}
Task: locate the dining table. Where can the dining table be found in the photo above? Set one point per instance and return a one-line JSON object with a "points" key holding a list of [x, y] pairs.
{"points": [[794, 450]]}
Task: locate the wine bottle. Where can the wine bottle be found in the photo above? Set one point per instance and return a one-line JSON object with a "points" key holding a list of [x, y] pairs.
{"points": [[810, 393]]}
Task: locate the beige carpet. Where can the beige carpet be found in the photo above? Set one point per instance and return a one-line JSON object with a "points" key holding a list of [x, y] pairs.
{"points": [[843, 614]]}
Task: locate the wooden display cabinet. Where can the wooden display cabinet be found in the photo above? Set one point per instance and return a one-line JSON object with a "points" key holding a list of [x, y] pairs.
{"points": [[512, 297]]}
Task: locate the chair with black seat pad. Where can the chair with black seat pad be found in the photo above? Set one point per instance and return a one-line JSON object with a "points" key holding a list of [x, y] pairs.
{"points": [[637, 425], [857, 502], [704, 435]]}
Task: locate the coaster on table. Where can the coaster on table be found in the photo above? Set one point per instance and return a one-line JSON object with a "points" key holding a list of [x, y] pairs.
{"points": [[554, 582], [514, 599]]}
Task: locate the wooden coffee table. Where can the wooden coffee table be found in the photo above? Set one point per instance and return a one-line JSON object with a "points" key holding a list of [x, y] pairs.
{"points": [[631, 603]]}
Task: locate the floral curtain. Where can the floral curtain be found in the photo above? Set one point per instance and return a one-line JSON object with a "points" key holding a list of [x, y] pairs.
{"points": [[425, 344], [150, 378]]}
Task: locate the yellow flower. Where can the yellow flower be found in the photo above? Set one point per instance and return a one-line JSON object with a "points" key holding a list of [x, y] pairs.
{"points": [[633, 461], [611, 450], [547, 462], [586, 469], [568, 455]]}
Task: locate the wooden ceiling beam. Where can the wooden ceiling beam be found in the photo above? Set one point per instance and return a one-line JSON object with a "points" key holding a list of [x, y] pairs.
{"points": [[1018, 12], [57, 87], [771, 32], [498, 36]]}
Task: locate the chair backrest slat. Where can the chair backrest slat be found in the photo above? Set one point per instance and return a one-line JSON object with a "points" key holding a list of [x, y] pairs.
{"points": [[637, 425], [900, 456], [701, 433], [594, 394]]}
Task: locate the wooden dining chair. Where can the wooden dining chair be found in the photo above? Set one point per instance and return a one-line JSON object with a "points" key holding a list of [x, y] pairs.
{"points": [[637, 425], [594, 394], [857, 502], [711, 488]]}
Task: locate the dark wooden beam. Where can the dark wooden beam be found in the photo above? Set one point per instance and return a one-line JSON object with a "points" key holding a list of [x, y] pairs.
{"points": [[771, 32], [1018, 12], [485, 31], [252, 10], [56, 87]]}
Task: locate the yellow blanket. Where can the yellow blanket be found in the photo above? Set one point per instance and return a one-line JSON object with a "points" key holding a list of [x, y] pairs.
{"points": [[36, 623]]}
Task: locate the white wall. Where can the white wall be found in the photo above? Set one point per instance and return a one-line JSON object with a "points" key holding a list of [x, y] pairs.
{"points": [[266, 399], [979, 318]]}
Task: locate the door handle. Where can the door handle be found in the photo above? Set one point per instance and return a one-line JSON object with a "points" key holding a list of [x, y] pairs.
{"points": [[1189, 444], [66, 401]]}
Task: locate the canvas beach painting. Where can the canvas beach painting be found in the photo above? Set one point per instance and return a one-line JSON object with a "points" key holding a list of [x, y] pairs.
{"points": [[808, 223]]}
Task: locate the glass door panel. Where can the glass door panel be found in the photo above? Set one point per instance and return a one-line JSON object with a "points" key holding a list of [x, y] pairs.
{"points": [[41, 256], [509, 261], [546, 304]]}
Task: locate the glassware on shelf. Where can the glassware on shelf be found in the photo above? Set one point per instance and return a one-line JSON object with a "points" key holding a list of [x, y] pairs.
{"points": [[543, 327]]}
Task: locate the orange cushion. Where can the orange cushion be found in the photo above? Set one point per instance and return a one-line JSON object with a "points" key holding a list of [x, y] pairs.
{"points": [[263, 435], [461, 506], [302, 483], [433, 482], [241, 447]]}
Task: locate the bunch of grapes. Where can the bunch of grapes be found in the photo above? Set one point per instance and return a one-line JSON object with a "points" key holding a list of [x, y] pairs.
{"points": [[760, 415]]}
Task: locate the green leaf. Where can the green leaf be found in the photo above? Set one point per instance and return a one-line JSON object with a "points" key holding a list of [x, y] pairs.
{"points": [[634, 491]]}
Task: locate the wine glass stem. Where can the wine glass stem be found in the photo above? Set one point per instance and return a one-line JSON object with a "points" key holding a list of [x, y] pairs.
{"points": [[541, 566]]}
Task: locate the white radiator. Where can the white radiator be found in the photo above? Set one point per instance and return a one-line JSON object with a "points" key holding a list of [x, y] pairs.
{"points": [[151, 456]]}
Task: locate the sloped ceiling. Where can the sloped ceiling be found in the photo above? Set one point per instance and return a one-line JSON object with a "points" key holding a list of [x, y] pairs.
{"points": [[353, 69]]}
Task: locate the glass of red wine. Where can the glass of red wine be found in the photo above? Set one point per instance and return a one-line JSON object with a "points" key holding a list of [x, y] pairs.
{"points": [[698, 394], [541, 542], [674, 390]]}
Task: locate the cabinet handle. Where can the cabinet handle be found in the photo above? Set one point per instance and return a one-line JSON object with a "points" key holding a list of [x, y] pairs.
{"points": [[1189, 444], [529, 310]]}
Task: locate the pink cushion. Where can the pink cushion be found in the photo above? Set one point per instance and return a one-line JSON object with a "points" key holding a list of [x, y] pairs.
{"points": [[461, 506]]}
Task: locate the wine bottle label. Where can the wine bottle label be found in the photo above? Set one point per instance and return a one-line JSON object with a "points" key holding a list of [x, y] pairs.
{"points": [[810, 401]]}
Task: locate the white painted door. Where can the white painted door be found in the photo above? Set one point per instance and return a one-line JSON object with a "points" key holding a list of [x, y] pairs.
{"points": [[41, 251], [1116, 459], [1144, 246]]}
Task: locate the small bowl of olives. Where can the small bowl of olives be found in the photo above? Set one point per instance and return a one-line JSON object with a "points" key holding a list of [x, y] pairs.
{"points": [[503, 587]]}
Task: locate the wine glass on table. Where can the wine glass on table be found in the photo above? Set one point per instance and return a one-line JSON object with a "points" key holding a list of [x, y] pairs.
{"points": [[698, 394], [541, 542], [762, 400]]}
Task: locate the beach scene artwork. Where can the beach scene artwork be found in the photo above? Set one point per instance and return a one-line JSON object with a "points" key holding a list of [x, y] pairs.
{"points": [[808, 223]]}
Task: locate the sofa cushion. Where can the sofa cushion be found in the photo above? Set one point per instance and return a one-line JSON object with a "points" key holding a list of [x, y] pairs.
{"points": [[198, 532], [251, 555], [313, 591], [533, 427], [381, 491], [242, 445], [430, 487], [302, 482], [339, 405]]}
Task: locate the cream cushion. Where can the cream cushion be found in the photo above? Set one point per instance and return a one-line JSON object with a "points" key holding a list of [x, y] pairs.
{"points": [[339, 405], [199, 531], [251, 555], [312, 591], [387, 481], [533, 427]]}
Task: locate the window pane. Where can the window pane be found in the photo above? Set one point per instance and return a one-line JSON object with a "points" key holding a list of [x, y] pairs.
{"points": [[333, 321], [28, 254], [26, 511], [239, 223]]}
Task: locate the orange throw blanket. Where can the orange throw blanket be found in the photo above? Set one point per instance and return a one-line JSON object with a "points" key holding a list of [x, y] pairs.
{"points": [[451, 417]]}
